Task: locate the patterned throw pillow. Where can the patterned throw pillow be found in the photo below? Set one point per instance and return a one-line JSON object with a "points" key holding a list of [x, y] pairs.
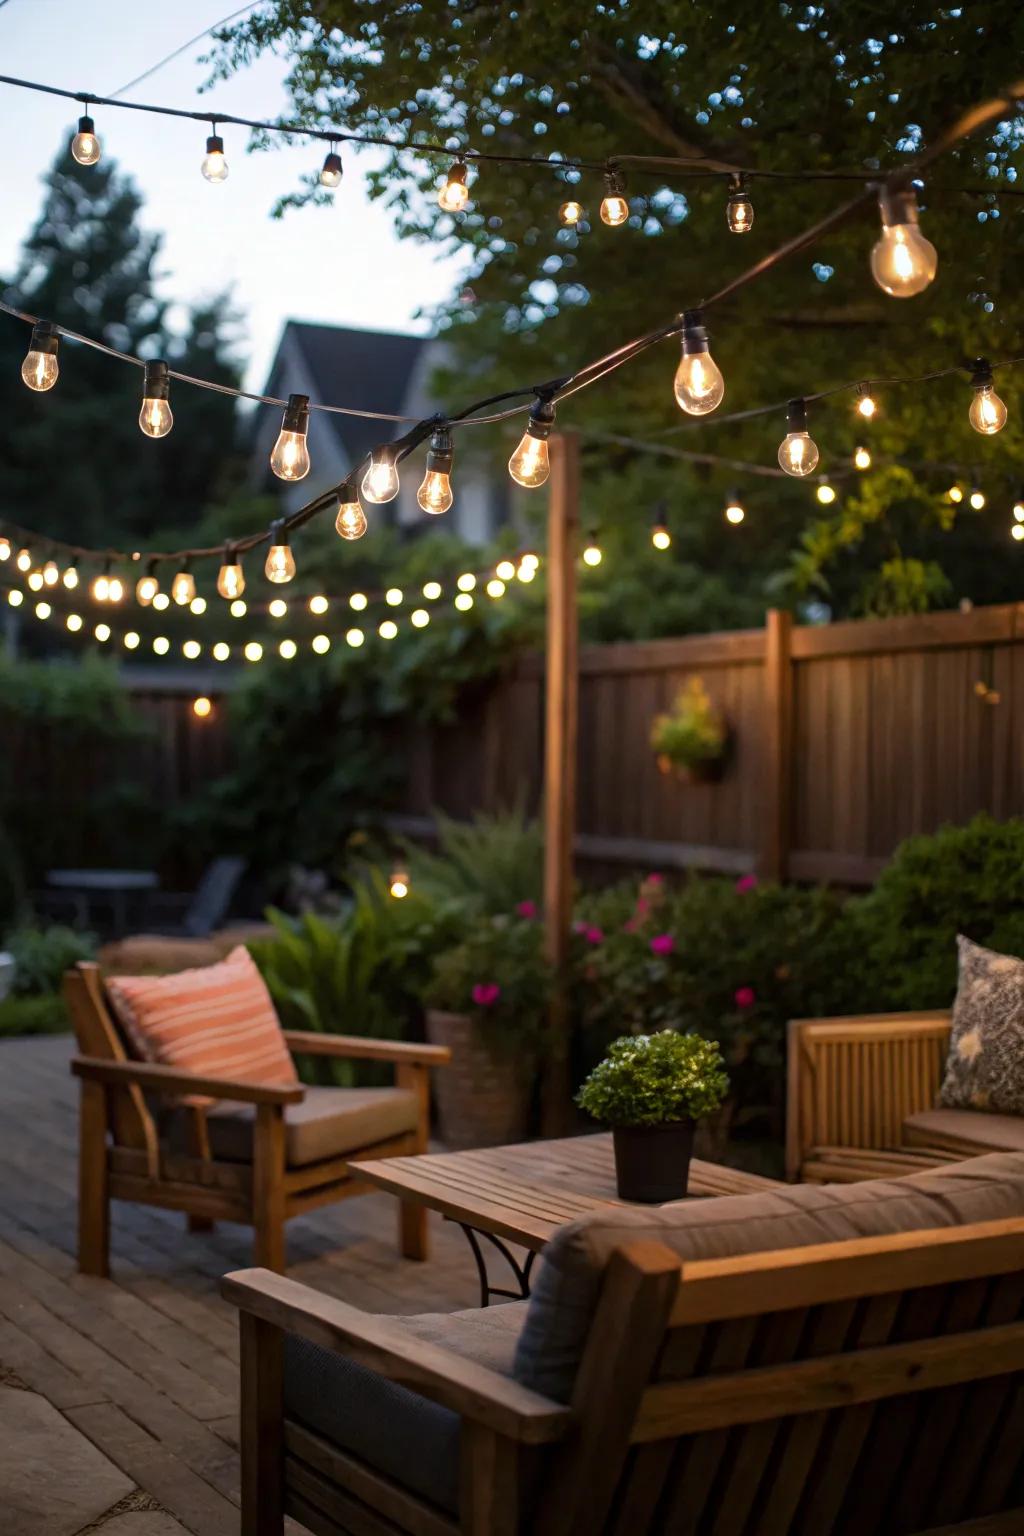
{"points": [[985, 1066], [217, 1021]]}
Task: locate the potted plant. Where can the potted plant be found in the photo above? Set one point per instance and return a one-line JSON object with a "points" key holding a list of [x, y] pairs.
{"points": [[487, 1001], [691, 738], [651, 1090]]}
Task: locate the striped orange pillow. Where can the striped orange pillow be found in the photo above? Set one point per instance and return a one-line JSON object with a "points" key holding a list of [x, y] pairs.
{"points": [[217, 1021]]}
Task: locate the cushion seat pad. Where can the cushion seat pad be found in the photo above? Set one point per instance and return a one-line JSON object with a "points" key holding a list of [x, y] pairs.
{"points": [[328, 1123], [964, 1130]]}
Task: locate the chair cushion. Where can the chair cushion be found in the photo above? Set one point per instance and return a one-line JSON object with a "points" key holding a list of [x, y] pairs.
{"points": [[328, 1123], [964, 1130], [566, 1289], [217, 1020], [399, 1433], [985, 1066]]}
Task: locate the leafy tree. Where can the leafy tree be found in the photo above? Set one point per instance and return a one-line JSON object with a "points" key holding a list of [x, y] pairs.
{"points": [[782, 90]]}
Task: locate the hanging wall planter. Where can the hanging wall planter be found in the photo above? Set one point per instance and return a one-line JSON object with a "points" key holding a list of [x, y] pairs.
{"points": [[691, 740]]}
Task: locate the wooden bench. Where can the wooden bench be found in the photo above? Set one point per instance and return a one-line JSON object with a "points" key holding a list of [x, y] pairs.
{"points": [[124, 1152]]}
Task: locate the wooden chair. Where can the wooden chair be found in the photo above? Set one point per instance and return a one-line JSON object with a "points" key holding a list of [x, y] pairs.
{"points": [[872, 1387], [125, 1152]]}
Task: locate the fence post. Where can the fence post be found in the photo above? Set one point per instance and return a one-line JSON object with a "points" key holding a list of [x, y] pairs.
{"points": [[776, 823]]}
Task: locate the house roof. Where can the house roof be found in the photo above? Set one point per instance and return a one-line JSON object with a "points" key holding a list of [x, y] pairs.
{"points": [[371, 369]]}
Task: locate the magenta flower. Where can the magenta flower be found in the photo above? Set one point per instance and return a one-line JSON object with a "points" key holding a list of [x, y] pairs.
{"points": [[594, 934], [744, 997], [662, 944], [526, 909], [746, 883], [655, 880], [485, 993], [643, 906]]}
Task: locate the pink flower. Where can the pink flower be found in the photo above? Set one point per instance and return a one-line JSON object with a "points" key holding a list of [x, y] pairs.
{"points": [[643, 906], [526, 909], [744, 997], [662, 944], [655, 880], [746, 883], [594, 934], [485, 993]]}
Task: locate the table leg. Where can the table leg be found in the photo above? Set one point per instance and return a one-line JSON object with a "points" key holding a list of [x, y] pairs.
{"points": [[520, 1271]]}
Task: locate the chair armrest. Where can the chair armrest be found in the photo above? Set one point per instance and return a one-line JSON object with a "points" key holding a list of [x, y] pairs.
{"points": [[122, 1074], [384, 1346], [356, 1047]]}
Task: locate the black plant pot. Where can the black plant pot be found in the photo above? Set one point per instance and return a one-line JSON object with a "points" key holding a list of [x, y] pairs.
{"points": [[652, 1162]]}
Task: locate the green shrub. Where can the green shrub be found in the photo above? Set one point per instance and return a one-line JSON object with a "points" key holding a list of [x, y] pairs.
{"points": [[44, 1014], [42, 955], [498, 976], [655, 1079], [491, 864]]}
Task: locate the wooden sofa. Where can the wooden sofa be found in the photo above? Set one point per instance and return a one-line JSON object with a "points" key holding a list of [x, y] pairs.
{"points": [[872, 1386], [259, 1155], [861, 1100]]}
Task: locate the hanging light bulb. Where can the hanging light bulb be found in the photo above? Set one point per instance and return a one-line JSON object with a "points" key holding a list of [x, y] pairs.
{"points": [[826, 493], [230, 577], [350, 522], [318, 603], [288, 649], [102, 632], [1017, 531], [5, 548], [196, 606], [435, 492], [24, 559], [147, 586], [393, 597], [699, 385], [592, 550], [867, 405], [70, 577], [155, 417], [354, 637], [74, 622], [35, 581], [530, 465], [988, 412], [798, 452], [380, 483], [214, 166], [466, 582], [399, 883], [861, 459], [99, 591], [505, 570], [15, 598], [280, 566], [661, 539], [977, 498], [739, 210], [183, 587], [358, 601], [614, 207], [277, 608], [85, 146], [903, 262], [161, 601], [734, 509], [221, 651], [51, 573], [238, 608], [331, 170], [955, 494], [40, 368], [454, 195], [389, 629], [431, 591], [290, 458], [321, 644], [1018, 511], [570, 213], [115, 590]]}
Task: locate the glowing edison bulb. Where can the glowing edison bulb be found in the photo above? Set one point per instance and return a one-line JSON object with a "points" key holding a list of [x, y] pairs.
{"points": [[867, 405], [570, 213], [798, 452], [432, 591], [24, 560], [230, 577], [35, 581], [102, 632], [350, 522], [734, 511], [155, 417], [253, 651], [214, 166], [419, 618], [699, 385], [955, 494], [530, 465], [100, 589], [51, 573], [354, 637], [399, 884], [196, 606], [162, 601], [592, 552], [988, 412], [1018, 511], [1017, 531], [70, 577], [321, 644], [15, 598], [614, 207], [435, 492], [977, 498], [505, 570], [85, 146], [115, 591], [280, 565], [454, 195], [660, 536], [380, 483], [5, 548], [358, 601], [277, 608], [146, 589], [290, 458], [826, 493], [318, 604], [903, 262], [202, 707], [221, 651], [74, 622], [388, 629], [183, 587], [288, 650], [739, 210], [40, 368], [192, 650], [862, 459], [331, 171]]}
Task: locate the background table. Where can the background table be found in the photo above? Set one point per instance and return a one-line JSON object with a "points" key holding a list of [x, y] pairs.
{"points": [[114, 885]]}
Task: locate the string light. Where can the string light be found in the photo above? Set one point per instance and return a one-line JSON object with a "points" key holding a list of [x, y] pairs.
{"points": [[280, 566], [183, 587], [420, 618], [393, 597], [495, 588], [388, 629], [51, 573], [196, 606], [866, 404], [147, 586], [202, 707], [321, 644], [454, 195], [192, 650], [903, 262], [955, 494], [977, 498], [661, 539], [463, 602], [35, 581], [734, 509], [221, 651], [15, 598], [318, 604], [699, 386], [399, 884], [238, 609], [1017, 531], [43, 610], [826, 493], [162, 601], [41, 368], [85, 146], [5, 548], [331, 170], [570, 213], [99, 591], [288, 650], [988, 412], [432, 591], [132, 640], [466, 582], [530, 465], [504, 570], [435, 492], [591, 552], [354, 637], [24, 559], [214, 166], [277, 608], [70, 576], [798, 452], [380, 483], [739, 210], [290, 457], [614, 207], [74, 622], [155, 417], [1018, 511], [350, 522], [861, 458], [358, 601], [102, 633], [253, 651]]}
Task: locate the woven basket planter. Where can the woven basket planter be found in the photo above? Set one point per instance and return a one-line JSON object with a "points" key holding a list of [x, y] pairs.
{"points": [[484, 1095]]}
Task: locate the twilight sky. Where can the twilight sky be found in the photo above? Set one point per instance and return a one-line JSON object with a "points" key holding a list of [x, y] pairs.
{"points": [[342, 265]]}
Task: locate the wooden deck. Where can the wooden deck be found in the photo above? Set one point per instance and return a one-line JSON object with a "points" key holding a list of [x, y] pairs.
{"points": [[146, 1364]]}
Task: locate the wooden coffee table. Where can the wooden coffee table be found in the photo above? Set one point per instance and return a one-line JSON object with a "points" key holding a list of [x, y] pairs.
{"points": [[524, 1193]]}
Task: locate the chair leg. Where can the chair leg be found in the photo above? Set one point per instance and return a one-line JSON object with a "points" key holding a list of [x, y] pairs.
{"points": [[413, 1236], [93, 1194], [268, 1197], [412, 1218], [262, 1428]]}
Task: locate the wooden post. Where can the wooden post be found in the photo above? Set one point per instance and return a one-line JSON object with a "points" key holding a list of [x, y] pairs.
{"points": [[561, 708], [776, 835]]}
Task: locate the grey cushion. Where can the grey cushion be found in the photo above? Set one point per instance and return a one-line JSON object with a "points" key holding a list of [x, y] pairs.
{"points": [[401, 1434], [964, 1130], [328, 1123], [566, 1289]]}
